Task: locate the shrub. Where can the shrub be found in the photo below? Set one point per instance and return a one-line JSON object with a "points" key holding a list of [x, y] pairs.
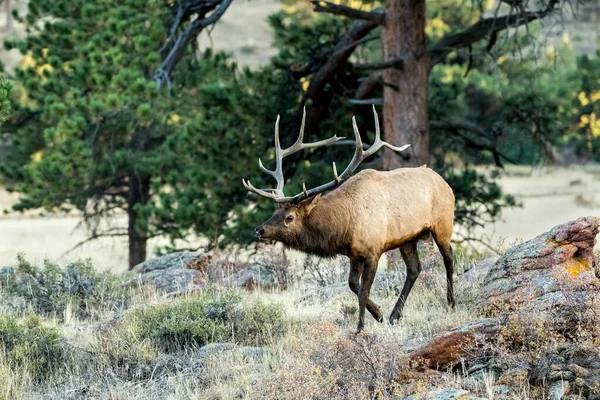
{"points": [[51, 290], [28, 346], [214, 316]]}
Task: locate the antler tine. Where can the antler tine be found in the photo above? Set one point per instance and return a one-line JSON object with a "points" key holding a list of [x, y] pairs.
{"points": [[260, 192], [358, 156], [378, 143]]}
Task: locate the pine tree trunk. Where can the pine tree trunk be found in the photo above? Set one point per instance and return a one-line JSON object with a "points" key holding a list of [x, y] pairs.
{"points": [[9, 17], [139, 190], [405, 91]]}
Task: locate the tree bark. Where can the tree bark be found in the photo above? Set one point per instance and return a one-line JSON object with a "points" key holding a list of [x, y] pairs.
{"points": [[9, 18], [137, 230], [405, 91]]}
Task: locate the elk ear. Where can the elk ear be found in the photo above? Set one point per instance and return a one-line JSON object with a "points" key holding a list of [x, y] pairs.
{"points": [[311, 203]]}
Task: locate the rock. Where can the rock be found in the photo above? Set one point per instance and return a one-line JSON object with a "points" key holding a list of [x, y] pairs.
{"points": [[558, 390], [182, 260], [501, 391], [173, 281], [474, 276], [579, 371], [444, 394], [175, 274], [514, 377], [252, 276], [561, 376], [535, 270], [448, 348]]}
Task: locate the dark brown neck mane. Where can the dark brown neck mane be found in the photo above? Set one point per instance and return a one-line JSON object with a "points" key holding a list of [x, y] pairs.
{"points": [[325, 231]]}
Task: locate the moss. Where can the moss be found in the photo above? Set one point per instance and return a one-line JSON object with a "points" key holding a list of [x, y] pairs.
{"points": [[213, 316], [29, 346]]}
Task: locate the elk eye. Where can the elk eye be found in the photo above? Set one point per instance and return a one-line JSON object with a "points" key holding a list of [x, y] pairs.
{"points": [[289, 218]]}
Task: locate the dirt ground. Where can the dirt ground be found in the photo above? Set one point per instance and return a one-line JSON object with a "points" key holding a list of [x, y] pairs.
{"points": [[550, 196]]}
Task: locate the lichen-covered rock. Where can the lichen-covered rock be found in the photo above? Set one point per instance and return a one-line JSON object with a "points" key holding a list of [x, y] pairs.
{"points": [[449, 348], [444, 394], [537, 268], [475, 276], [252, 276], [175, 274], [182, 260]]}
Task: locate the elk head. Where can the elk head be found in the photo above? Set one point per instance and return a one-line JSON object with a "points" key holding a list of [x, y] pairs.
{"points": [[290, 219]]}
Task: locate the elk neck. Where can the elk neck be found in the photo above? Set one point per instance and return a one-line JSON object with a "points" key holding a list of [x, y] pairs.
{"points": [[326, 231]]}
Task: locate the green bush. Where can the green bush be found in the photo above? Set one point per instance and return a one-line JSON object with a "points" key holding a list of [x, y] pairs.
{"points": [[214, 316], [29, 346], [50, 290]]}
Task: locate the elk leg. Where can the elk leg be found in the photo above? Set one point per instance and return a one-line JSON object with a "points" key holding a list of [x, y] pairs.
{"points": [[368, 276], [446, 251], [413, 268], [356, 269]]}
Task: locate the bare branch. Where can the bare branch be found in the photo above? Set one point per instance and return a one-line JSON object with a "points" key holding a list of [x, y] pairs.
{"points": [[484, 28], [186, 12], [368, 85], [324, 6]]}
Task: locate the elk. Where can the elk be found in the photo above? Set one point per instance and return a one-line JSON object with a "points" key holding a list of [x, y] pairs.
{"points": [[363, 217]]}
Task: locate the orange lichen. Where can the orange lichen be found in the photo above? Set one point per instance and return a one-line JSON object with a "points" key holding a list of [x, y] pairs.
{"points": [[575, 267]]}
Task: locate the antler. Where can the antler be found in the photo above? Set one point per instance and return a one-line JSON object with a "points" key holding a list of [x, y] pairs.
{"points": [[359, 155], [277, 194]]}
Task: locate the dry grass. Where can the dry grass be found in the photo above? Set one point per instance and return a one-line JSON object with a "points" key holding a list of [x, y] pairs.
{"points": [[315, 354]]}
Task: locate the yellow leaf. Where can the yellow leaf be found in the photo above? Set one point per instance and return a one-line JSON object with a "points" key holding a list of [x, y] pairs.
{"points": [[36, 157], [583, 99]]}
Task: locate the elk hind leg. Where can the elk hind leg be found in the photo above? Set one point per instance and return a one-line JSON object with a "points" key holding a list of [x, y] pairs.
{"points": [[413, 269], [443, 244]]}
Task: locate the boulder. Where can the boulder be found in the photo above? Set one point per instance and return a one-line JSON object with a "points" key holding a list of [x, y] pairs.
{"points": [[252, 276], [448, 349], [182, 260], [175, 274], [536, 271], [474, 277]]}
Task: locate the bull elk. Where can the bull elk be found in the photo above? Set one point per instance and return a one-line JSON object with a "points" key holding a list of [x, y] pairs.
{"points": [[366, 215]]}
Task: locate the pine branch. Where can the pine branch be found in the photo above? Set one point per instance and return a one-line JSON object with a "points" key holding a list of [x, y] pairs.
{"points": [[484, 28], [377, 17]]}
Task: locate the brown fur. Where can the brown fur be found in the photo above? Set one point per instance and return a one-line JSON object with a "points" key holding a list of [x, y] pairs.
{"points": [[371, 213]]}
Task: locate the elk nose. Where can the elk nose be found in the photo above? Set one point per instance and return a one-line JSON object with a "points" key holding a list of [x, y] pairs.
{"points": [[259, 231]]}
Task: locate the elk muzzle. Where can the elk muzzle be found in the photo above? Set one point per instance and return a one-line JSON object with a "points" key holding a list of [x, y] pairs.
{"points": [[259, 232]]}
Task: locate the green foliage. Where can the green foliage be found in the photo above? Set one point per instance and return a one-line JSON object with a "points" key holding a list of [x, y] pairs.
{"points": [[28, 346], [586, 109], [92, 132], [214, 316], [78, 288], [5, 98]]}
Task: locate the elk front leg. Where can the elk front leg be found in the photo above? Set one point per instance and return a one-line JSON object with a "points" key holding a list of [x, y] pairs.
{"points": [[413, 268], [367, 278], [356, 270]]}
